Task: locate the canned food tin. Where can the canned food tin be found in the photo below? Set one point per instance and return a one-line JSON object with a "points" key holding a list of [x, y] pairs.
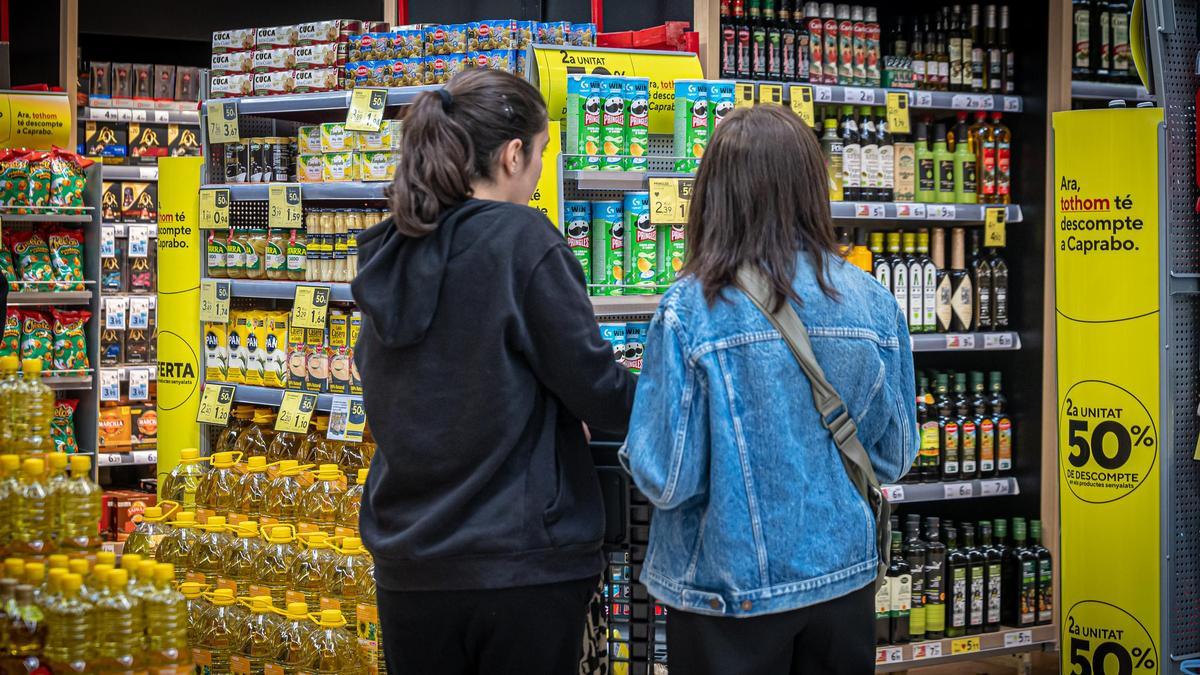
{"points": [[277, 156], [235, 162]]}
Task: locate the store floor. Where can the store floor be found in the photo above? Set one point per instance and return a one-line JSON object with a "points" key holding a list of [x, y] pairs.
{"points": [[1044, 663]]}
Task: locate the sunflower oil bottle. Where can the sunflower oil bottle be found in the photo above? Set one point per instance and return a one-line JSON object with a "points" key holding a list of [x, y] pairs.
{"points": [[52, 587], [205, 556], [80, 505], [318, 448], [141, 582], [252, 488], [282, 499], [216, 632], [294, 634], [9, 402], [129, 563], [285, 445], [330, 650], [238, 560], [370, 637], [311, 570], [70, 629], [34, 520], [256, 438], [35, 577], [31, 433], [217, 489], [10, 484], [256, 640], [120, 628], [239, 420], [197, 607], [95, 586], [14, 568], [56, 482], [82, 567], [353, 571], [319, 501], [166, 611], [176, 547], [179, 485], [149, 533], [272, 567], [351, 503], [26, 629]]}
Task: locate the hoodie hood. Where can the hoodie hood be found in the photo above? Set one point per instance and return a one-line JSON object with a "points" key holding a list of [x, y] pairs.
{"points": [[400, 278]]}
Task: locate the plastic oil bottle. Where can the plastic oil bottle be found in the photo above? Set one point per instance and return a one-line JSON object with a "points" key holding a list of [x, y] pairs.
{"points": [[149, 533], [311, 570], [26, 624], [238, 559], [252, 488], [176, 547], [53, 586], [294, 635], [141, 583], [9, 383], [318, 447], [370, 636], [239, 420], [35, 577], [274, 562], [95, 586], [319, 501], [81, 507], [166, 614], [283, 492], [70, 632], [10, 484], [197, 607], [285, 445], [256, 640], [56, 482], [353, 572], [180, 484], [330, 650], [217, 489], [120, 628], [351, 503], [34, 520], [205, 556], [33, 436], [216, 631], [256, 438]]}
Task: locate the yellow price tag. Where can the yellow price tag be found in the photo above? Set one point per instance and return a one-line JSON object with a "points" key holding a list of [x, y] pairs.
{"points": [[295, 411], [222, 121], [214, 301], [283, 204], [770, 93], [744, 97], [801, 96], [897, 113], [964, 645], [994, 234], [669, 200], [214, 209], [215, 401], [310, 307], [366, 109]]}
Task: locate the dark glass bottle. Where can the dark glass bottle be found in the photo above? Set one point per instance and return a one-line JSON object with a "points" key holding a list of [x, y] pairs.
{"points": [[758, 41], [999, 294], [935, 575], [1010, 55], [773, 42], [728, 42], [880, 265], [1045, 575], [927, 427], [787, 41], [887, 157], [976, 580], [994, 589], [984, 427], [968, 431], [978, 62], [914, 554], [920, 77], [851, 155], [981, 283], [900, 575], [995, 55], [742, 47], [954, 47], [957, 588], [962, 295], [947, 429], [1022, 578], [1003, 425], [944, 306]]}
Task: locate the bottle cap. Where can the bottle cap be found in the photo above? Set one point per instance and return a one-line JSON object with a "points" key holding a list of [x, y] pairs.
{"points": [[9, 364], [33, 467], [259, 604], [163, 573], [256, 464], [118, 579], [79, 566], [316, 540], [328, 472], [190, 589], [152, 513], [223, 460], [352, 544], [81, 465], [56, 460], [54, 578], [262, 417], [222, 597], [297, 610], [58, 560], [322, 422], [70, 583], [331, 618], [217, 522], [106, 557], [35, 573], [247, 529], [280, 534], [362, 477], [14, 568], [145, 570], [31, 366], [10, 463], [185, 519], [100, 572], [129, 561], [189, 453]]}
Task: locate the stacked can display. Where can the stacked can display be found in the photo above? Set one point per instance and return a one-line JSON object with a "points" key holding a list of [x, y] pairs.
{"points": [[700, 106], [608, 123], [620, 250]]}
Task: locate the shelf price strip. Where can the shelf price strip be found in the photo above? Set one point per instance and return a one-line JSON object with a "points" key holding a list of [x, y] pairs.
{"points": [[310, 307], [223, 122], [366, 109], [958, 490], [965, 645], [283, 205], [927, 650], [889, 655], [215, 401], [295, 411]]}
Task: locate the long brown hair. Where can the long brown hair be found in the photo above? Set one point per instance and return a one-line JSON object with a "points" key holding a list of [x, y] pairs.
{"points": [[761, 197], [451, 137]]}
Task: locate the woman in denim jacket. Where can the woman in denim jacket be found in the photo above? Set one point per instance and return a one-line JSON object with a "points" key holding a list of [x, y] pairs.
{"points": [[760, 543]]}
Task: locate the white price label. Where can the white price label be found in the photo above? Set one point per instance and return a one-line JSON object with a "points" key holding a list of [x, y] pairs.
{"points": [[1018, 638], [1012, 104], [893, 493], [870, 210], [927, 650], [111, 459], [889, 655], [906, 210], [859, 96], [124, 115], [139, 384], [958, 490], [823, 94], [108, 241], [989, 488], [997, 341], [110, 384], [924, 100], [162, 116], [144, 456], [139, 312], [940, 211], [972, 102], [139, 241], [138, 116], [114, 313], [148, 173], [960, 341], [111, 546]]}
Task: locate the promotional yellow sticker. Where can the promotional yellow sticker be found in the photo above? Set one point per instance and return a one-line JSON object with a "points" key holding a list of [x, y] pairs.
{"points": [[215, 401], [743, 96], [214, 209], [295, 412], [214, 301], [994, 226], [310, 307], [964, 645], [284, 205], [669, 200], [39, 120], [801, 102], [222, 121], [770, 93], [366, 109], [545, 195], [898, 119]]}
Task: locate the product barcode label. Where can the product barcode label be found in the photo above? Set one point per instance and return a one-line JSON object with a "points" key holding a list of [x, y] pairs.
{"points": [[927, 650], [958, 490]]}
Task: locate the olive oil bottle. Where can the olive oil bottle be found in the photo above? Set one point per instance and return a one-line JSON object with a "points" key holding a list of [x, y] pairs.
{"points": [[962, 294]]}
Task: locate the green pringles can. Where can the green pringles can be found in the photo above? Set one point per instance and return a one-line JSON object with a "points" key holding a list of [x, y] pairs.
{"points": [[691, 123], [721, 98], [641, 246], [672, 246], [614, 123], [608, 248], [577, 229], [637, 114], [583, 122]]}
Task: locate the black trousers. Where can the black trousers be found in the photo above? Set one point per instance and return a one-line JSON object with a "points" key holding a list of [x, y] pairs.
{"points": [[833, 638], [531, 630]]}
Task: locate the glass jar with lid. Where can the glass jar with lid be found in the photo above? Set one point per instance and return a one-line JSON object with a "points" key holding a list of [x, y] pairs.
{"points": [[235, 254], [256, 253], [297, 255], [276, 254]]}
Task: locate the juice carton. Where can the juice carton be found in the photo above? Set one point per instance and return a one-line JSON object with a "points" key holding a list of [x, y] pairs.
{"points": [[641, 246], [583, 122], [720, 103], [637, 111], [614, 334], [578, 218], [635, 344], [614, 139], [608, 247], [691, 123]]}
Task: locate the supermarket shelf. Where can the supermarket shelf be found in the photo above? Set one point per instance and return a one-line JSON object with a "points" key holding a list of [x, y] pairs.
{"points": [[618, 305], [121, 172], [72, 383], [283, 290], [1107, 91], [91, 114], [937, 652], [284, 104], [347, 190], [268, 396], [935, 100], [122, 229], [128, 458], [84, 216], [55, 298], [953, 342], [909, 493], [619, 180], [971, 213], [123, 371]]}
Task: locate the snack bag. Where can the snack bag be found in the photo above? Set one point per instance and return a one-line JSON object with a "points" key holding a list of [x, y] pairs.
{"points": [[275, 350], [14, 180], [10, 343], [215, 351], [6, 267], [66, 178], [40, 175], [66, 256], [70, 341], [37, 339], [62, 426], [33, 260]]}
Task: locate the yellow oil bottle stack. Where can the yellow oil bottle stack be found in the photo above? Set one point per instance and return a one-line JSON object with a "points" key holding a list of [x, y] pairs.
{"points": [[252, 488], [319, 502], [180, 484], [166, 618], [217, 626], [150, 532], [256, 640], [217, 488], [238, 560]]}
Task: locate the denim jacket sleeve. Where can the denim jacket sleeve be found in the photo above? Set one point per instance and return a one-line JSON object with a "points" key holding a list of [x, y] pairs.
{"points": [[667, 447], [888, 429]]}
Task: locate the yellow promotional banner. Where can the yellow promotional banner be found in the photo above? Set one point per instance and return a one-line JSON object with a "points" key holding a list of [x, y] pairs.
{"points": [[35, 120], [552, 64], [1107, 251], [545, 195], [179, 346]]}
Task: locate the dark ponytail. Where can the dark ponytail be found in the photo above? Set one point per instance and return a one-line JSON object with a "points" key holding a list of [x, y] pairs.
{"points": [[451, 138]]}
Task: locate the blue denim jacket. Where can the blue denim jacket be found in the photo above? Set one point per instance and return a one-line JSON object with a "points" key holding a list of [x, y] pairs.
{"points": [[755, 514]]}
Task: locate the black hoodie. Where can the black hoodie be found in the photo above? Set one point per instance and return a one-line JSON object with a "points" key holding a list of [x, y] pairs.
{"points": [[480, 355]]}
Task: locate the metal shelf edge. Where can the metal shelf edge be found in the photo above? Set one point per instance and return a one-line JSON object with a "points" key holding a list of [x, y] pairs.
{"points": [[912, 493], [283, 290], [318, 101], [268, 396], [347, 190], [56, 298], [991, 644]]}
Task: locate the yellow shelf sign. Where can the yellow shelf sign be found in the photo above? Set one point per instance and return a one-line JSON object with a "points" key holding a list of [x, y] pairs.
{"points": [[222, 122], [669, 200], [743, 95], [310, 307], [801, 102], [295, 412], [964, 645], [214, 301], [284, 206], [898, 119], [366, 109], [994, 226], [770, 93], [214, 209], [347, 419], [545, 195], [215, 402]]}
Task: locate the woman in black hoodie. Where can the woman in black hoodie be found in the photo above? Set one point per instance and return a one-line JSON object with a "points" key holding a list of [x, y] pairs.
{"points": [[481, 360]]}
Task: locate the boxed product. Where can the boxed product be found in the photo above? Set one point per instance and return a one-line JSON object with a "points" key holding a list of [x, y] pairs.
{"points": [[371, 47], [110, 201], [316, 351], [276, 36], [137, 344], [582, 35], [141, 273], [114, 269], [366, 74], [147, 140], [297, 362], [164, 82], [553, 32], [229, 86], [387, 138], [139, 202], [182, 141], [308, 139], [106, 139], [236, 40], [496, 59], [319, 79], [324, 55], [445, 39], [112, 347], [187, 83], [228, 63], [100, 84], [320, 32], [215, 350], [122, 83], [375, 165], [439, 69], [274, 347], [127, 508], [335, 138], [272, 60], [338, 166], [340, 351], [115, 427], [143, 419], [408, 43], [355, 327], [143, 81], [488, 35], [278, 82], [309, 168], [406, 72]]}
